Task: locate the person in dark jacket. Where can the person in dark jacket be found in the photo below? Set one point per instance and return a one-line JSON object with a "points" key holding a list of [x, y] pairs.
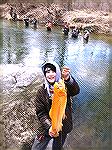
{"points": [[34, 22], [86, 36], [75, 32], [26, 21], [43, 103], [66, 29], [11, 11]]}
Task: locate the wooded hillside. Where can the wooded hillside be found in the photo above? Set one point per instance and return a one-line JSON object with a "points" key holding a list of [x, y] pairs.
{"points": [[101, 5]]}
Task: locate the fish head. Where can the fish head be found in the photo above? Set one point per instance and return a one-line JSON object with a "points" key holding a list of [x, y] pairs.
{"points": [[59, 88]]}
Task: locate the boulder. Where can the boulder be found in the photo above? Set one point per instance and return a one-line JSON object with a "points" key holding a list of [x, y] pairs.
{"points": [[18, 118]]}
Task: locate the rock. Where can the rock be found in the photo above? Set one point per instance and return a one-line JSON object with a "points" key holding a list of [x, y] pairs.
{"points": [[17, 76], [18, 110]]}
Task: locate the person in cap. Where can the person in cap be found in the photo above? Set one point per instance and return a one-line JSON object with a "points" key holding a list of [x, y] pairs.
{"points": [[43, 103], [86, 35]]}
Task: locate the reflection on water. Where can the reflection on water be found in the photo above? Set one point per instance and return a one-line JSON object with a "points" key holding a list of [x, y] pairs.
{"points": [[14, 45], [90, 64]]}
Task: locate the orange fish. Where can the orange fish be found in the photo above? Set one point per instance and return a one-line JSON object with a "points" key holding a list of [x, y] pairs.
{"points": [[57, 111]]}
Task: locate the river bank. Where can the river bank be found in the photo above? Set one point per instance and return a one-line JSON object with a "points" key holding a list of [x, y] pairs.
{"points": [[95, 21], [19, 89]]}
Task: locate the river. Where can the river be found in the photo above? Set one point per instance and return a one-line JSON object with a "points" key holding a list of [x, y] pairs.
{"points": [[90, 64]]}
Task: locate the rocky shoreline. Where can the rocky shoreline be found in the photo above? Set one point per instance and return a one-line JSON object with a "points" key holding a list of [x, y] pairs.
{"points": [[18, 122], [98, 22]]}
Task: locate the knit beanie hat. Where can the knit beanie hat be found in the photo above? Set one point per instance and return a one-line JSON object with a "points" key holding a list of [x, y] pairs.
{"points": [[48, 67]]}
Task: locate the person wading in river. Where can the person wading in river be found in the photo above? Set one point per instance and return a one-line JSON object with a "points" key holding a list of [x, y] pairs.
{"points": [[43, 103], [49, 26]]}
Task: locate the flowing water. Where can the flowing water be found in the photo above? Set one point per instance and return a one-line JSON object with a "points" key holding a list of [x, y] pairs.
{"points": [[90, 64]]}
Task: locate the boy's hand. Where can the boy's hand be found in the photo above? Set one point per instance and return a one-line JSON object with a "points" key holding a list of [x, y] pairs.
{"points": [[53, 134], [66, 73]]}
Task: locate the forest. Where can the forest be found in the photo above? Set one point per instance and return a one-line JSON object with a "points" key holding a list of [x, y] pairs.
{"points": [[98, 5]]}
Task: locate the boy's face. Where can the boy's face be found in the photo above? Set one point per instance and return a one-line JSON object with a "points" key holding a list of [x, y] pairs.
{"points": [[50, 76]]}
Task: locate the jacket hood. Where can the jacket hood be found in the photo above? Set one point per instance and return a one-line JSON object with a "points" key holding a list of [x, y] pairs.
{"points": [[58, 74]]}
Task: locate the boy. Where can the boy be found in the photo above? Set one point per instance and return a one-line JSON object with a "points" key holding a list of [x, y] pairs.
{"points": [[43, 103]]}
